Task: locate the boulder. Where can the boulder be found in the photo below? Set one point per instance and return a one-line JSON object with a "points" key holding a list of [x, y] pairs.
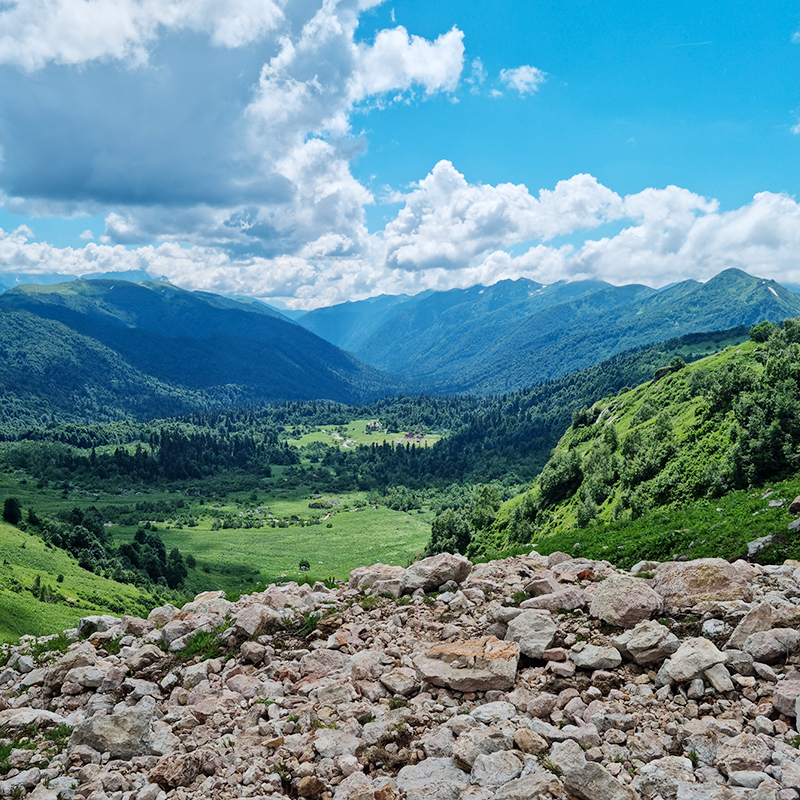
{"points": [[719, 678], [624, 601], [533, 631], [143, 657], [567, 599], [99, 623], [136, 626], [438, 743], [14, 720], [745, 752], [758, 619], [480, 741], [471, 666], [161, 615], [388, 587], [22, 780], [684, 585], [770, 647], [532, 784], [124, 733], [660, 778], [402, 680], [595, 657], [252, 621], [542, 584], [82, 655], [209, 603], [495, 769], [356, 786], [323, 662], [527, 741], [692, 659], [86, 677], [253, 652], [311, 785], [430, 573], [364, 577], [584, 779], [432, 779], [248, 686], [493, 712], [176, 629], [785, 694], [332, 743], [649, 642], [181, 770]]}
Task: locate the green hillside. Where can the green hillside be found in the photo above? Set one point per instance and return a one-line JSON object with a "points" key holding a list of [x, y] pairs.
{"points": [[69, 591], [349, 325], [691, 435]]}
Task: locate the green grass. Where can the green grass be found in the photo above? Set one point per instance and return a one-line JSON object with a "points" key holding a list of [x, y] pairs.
{"points": [[240, 559], [235, 560], [354, 434], [721, 527], [23, 556]]}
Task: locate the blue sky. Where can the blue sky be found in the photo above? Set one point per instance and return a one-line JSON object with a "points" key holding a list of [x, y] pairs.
{"points": [[309, 153]]}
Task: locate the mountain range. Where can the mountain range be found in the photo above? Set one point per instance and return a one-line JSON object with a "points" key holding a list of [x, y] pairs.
{"points": [[97, 350], [488, 340]]}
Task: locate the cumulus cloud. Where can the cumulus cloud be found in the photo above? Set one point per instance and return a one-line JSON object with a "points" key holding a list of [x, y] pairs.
{"points": [[447, 222], [239, 179], [525, 79], [673, 234], [36, 32], [243, 149], [396, 61]]}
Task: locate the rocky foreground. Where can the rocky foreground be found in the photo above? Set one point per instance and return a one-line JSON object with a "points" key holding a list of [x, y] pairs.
{"points": [[532, 677]]}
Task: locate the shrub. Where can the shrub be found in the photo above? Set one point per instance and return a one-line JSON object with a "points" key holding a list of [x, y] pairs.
{"points": [[12, 510], [561, 476]]}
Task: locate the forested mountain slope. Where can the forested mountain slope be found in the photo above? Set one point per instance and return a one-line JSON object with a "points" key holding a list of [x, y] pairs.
{"points": [[518, 333], [50, 374], [198, 341], [349, 325]]}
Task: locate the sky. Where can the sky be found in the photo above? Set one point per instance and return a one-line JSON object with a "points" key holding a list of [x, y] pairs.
{"points": [[309, 152]]}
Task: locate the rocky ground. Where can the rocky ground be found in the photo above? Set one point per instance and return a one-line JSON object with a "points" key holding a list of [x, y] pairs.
{"points": [[532, 677]]}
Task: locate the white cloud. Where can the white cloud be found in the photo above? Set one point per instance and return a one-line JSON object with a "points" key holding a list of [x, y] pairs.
{"points": [[477, 75], [674, 234], [36, 32], [525, 79], [448, 223], [796, 128], [250, 172], [396, 61], [680, 235], [796, 37], [254, 159], [87, 235]]}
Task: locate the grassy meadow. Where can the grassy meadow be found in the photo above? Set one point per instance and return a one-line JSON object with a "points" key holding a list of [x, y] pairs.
{"points": [[239, 542], [353, 434]]}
